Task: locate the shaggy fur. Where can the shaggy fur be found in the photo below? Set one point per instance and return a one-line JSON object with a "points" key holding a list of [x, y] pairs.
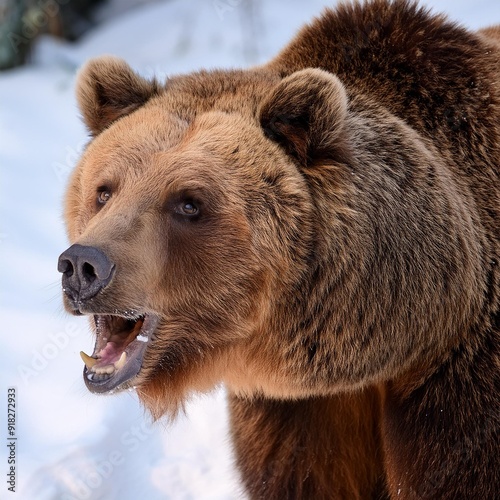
{"points": [[342, 277]]}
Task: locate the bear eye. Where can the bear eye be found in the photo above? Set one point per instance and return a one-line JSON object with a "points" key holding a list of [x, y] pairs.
{"points": [[103, 195], [188, 208]]}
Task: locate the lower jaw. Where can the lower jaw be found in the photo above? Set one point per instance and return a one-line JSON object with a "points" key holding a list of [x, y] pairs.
{"points": [[120, 380]]}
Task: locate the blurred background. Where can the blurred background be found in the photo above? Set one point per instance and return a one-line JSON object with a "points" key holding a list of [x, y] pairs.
{"points": [[70, 444]]}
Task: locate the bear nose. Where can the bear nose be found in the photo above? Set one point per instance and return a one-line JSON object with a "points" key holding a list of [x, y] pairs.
{"points": [[86, 270]]}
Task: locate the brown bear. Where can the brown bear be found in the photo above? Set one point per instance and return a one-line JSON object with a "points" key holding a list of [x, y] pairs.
{"points": [[322, 235]]}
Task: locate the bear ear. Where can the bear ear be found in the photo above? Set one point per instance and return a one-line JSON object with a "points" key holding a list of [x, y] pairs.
{"points": [[305, 113], [108, 89]]}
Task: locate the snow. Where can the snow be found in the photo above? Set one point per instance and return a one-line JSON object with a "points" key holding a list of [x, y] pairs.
{"points": [[71, 444]]}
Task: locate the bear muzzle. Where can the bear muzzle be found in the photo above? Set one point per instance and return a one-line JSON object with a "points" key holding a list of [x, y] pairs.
{"points": [[122, 336]]}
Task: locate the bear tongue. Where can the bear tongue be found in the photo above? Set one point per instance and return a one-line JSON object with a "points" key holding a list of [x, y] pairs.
{"points": [[110, 353]]}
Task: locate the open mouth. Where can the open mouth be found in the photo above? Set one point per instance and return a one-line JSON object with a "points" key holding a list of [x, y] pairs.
{"points": [[119, 351]]}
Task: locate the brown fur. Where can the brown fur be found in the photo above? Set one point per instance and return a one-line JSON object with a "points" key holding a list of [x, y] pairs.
{"points": [[276, 443], [343, 280]]}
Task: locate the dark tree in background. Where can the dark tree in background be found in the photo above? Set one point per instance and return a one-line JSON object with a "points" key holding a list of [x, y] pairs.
{"points": [[21, 21]]}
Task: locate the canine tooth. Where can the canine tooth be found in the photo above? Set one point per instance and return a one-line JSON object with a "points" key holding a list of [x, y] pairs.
{"points": [[89, 362], [121, 362]]}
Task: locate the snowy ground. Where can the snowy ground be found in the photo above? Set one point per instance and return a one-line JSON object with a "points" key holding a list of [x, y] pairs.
{"points": [[73, 445]]}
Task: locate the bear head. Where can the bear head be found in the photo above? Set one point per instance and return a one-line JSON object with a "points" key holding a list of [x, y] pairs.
{"points": [[224, 228]]}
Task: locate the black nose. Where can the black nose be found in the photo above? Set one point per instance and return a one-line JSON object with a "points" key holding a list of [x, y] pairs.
{"points": [[86, 270]]}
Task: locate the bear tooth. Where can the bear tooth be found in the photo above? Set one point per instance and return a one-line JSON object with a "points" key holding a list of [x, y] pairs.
{"points": [[89, 362], [121, 362], [104, 370]]}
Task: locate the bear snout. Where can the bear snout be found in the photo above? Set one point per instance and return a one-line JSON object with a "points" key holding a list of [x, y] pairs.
{"points": [[86, 270]]}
